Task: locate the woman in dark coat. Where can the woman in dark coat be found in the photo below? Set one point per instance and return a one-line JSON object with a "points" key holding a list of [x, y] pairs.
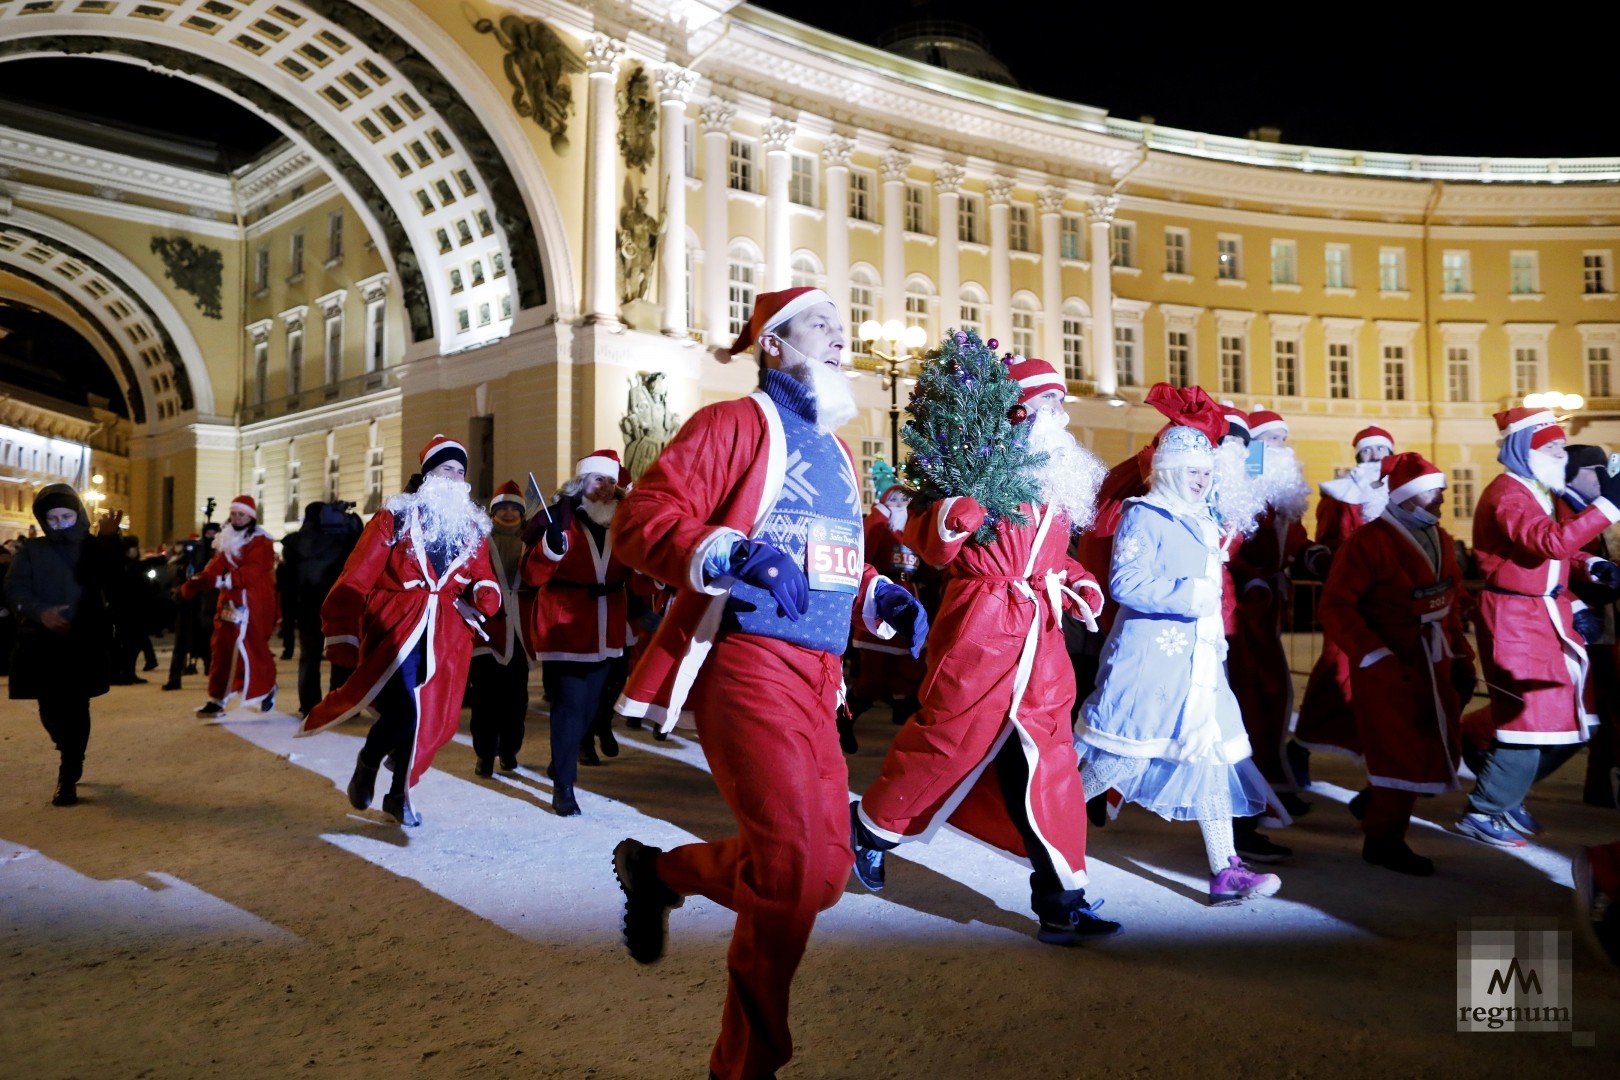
{"points": [[56, 587]]}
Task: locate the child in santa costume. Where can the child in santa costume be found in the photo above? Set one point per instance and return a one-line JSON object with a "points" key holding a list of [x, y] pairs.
{"points": [[243, 570], [403, 615], [990, 749], [754, 511], [1390, 604], [1163, 727], [578, 622], [1531, 657], [498, 687]]}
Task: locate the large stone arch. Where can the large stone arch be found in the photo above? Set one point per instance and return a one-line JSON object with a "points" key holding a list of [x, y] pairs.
{"points": [[136, 326], [402, 143]]}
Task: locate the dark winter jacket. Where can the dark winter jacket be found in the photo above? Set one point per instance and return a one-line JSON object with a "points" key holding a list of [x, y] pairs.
{"points": [[69, 568]]}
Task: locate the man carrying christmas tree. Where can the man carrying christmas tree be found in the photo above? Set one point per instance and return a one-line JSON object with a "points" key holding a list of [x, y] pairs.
{"points": [[755, 510], [991, 749]]}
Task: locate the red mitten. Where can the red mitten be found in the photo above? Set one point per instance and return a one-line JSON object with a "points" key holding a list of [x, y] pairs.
{"points": [[964, 515]]}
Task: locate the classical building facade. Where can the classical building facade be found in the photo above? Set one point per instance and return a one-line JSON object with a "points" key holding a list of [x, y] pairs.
{"points": [[525, 223]]}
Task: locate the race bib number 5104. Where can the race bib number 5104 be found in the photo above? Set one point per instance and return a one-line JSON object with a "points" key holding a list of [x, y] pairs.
{"points": [[833, 556]]}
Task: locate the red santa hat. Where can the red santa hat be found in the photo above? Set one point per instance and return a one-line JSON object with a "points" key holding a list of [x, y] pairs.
{"points": [[1262, 421], [440, 449], [246, 504], [771, 310], [1034, 376], [1235, 417], [508, 492], [1188, 406], [1410, 474], [1373, 436], [1543, 422], [599, 463]]}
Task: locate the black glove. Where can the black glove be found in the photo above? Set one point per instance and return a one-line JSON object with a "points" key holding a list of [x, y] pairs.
{"points": [[562, 519], [757, 563], [1589, 624], [903, 611], [1463, 680], [1605, 573], [1609, 486]]}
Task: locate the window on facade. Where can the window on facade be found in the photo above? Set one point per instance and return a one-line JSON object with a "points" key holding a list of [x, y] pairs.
{"points": [[261, 372], [871, 450], [1459, 373], [377, 335], [740, 274], [972, 308], [334, 350], [295, 504], [1336, 266], [1597, 278], [1462, 492], [1126, 368], [1018, 216], [1394, 373], [1284, 262], [295, 256], [261, 268], [969, 216], [374, 479], [739, 164], [862, 303], [1229, 258], [1023, 324], [1454, 275], [1071, 237], [334, 236], [860, 195], [1074, 344], [916, 208], [1178, 357], [1285, 366], [1392, 269], [1522, 276], [803, 272], [1600, 371], [332, 474], [1175, 251], [1122, 243], [295, 361], [917, 298], [1526, 370], [1338, 369], [1231, 347], [802, 180]]}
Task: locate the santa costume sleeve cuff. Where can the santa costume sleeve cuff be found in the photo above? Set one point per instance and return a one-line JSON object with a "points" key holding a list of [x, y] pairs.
{"points": [[1610, 511], [869, 612], [1373, 657], [709, 570]]}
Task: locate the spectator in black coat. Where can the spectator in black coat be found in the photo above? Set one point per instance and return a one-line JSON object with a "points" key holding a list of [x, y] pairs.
{"points": [[314, 557]]}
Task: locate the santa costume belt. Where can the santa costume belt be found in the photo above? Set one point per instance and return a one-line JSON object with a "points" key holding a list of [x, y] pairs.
{"points": [[591, 588]]}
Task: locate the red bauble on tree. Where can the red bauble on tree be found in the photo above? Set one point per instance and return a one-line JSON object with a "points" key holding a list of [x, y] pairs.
{"points": [[1018, 414]]}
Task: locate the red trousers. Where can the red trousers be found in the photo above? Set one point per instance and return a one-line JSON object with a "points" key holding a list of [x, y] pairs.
{"points": [[765, 713], [241, 662]]}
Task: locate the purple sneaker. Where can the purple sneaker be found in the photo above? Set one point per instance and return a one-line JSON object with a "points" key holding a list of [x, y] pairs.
{"points": [[1489, 829], [1520, 821], [1238, 883]]}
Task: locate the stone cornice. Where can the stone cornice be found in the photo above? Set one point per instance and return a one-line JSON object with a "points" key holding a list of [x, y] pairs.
{"points": [[264, 178], [126, 175], [37, 195], [324, 418]]}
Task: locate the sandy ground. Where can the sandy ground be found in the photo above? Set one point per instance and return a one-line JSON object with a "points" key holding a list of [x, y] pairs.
{"points": [[214, 909]]}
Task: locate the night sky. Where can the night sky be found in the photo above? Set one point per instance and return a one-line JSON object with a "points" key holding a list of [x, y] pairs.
{"points": [[1461, 81]]}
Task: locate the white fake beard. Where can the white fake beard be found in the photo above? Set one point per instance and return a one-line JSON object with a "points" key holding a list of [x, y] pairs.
{"points": [[1547, 469], [1282, 483], [835, 398], [446, 513], [230, 541], [1369, 478], [1238, 498], [599, 512], [1072, 474]]}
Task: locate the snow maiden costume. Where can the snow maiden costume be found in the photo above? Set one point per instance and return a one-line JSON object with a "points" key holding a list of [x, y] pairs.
{"points": [[1162, 727]]}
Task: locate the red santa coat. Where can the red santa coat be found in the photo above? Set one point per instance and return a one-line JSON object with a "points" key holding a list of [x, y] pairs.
{"points": [[1529, 650], [1257, 663], [719, 476], [1326, 720], [241, 646], [997, 671], [1336, 520], [579, 613], [1385, 596], [387, 600]]}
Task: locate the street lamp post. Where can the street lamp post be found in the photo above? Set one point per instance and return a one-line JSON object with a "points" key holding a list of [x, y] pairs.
{"points": [[903, 342]]}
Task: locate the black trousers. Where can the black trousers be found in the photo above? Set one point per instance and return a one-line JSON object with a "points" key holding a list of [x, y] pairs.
{"points": [[576, 689], [1048, 898], [311, 645], [499, 697], [67, 722], [394, 732]]}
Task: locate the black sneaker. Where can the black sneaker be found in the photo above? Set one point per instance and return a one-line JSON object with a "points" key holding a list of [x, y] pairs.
{"points": [[509, 763], [868, 860], [211, 710], [563, 803], [1358, 803], [400, 809], [1097, 810], [484, 767], [67, 794], [362, 785], [1395, 855], [269, 702], [1256, 848], [610, 742], [1077, 924], [647, 900]]}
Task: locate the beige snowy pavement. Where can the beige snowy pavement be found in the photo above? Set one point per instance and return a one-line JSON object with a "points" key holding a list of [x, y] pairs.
{"points": [[213, 908]]}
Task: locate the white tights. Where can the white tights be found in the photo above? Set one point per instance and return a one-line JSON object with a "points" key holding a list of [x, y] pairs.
{"points": [[1214, 813]]}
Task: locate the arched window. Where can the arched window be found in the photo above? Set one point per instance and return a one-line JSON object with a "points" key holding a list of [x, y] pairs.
{"points": [[863, 288], [804, 271], [1074, 339], [1024, 311], [742, 274], [973, 304], [919, 303]]}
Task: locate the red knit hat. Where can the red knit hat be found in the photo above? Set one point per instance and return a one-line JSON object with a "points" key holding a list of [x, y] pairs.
{"points": [[1263, 420], [440, 449], [1543, 422], [508, 492], [1373, 436], [1410, 474], [1235, 416], [1034, 376], [246, 504], [1188, 406], [599, 463], [771, 310]]}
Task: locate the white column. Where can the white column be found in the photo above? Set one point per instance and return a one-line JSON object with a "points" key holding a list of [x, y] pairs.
{"points": [[674, 88], [717, 116], [1052, 275], [1101, 215], [1001, 188], [894, 164], [775, 135], [948, 186], [602, 55], [835, 152]]}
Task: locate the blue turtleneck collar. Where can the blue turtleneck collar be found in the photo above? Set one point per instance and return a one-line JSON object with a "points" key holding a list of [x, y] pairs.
{"points": [[788, 393]]}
